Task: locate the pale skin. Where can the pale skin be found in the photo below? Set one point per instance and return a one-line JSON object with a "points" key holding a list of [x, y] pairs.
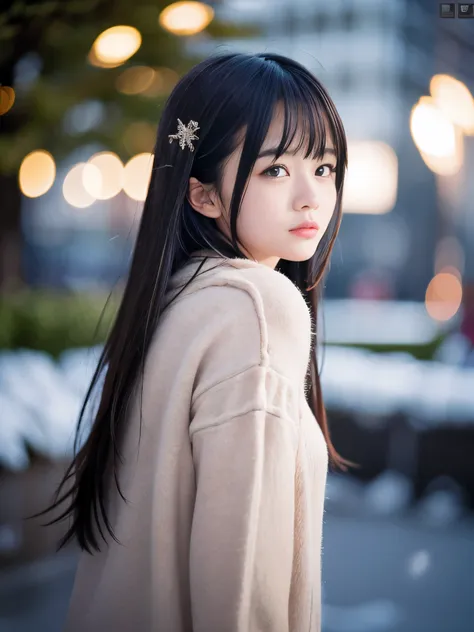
{"points": [[278, 198]]}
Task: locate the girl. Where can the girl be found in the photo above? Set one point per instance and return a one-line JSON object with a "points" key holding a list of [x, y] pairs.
{"points": [[204, 472]]}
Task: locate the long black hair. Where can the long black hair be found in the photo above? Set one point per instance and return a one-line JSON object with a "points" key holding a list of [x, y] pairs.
{"points": [[225, 94]]}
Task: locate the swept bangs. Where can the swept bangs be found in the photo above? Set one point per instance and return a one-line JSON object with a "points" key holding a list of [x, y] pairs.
{"points": [[308, 112]]}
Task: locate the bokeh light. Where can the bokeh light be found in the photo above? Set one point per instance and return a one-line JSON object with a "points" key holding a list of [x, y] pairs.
{"points": [[137, 173], [73, 188], [186, 18], [446, 165], [103, 175], [7, 99], [432, 132], [419, 563], [92, 179], [135, 80], [443, 296], [114, 46], [372, 178], [454, 99], [164, 80], [37, 173]]}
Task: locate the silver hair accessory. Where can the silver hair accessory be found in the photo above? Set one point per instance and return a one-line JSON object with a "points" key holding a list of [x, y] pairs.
{"points": [[185, 134]]}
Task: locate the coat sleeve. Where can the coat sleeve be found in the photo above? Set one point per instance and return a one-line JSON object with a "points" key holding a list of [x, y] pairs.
{"points": [[244, 435]]}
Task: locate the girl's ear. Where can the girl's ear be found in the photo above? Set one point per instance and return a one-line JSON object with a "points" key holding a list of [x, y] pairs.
{"points": [[201, 200]]}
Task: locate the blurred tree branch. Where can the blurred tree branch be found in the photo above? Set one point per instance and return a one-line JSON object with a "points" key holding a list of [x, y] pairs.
{"points": [[58, 36]]}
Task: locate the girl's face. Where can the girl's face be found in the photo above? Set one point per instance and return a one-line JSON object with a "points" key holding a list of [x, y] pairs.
{"points": [[279, 198]]}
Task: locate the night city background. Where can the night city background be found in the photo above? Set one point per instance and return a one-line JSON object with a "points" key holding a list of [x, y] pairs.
{"points": [[82, 85]]}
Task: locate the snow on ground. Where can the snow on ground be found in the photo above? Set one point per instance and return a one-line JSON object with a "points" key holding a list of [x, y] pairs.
{"points": [[40, 399]]}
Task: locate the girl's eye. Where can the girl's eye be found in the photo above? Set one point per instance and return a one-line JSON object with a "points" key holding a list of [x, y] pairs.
{"points": [[267, 171], [331, 169]]}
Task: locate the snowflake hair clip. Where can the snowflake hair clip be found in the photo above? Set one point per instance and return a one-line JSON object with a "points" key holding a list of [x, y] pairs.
{"points": [[185, 134]]}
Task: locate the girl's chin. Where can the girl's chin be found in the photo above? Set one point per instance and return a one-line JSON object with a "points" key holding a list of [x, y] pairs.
{"points": [[303, 253]]}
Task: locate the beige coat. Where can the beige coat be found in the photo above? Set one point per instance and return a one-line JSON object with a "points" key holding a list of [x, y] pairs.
{"points": [[223, 528]]}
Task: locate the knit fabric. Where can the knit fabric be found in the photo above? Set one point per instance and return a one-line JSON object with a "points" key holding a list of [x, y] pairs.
{"points": [[222, 530]]}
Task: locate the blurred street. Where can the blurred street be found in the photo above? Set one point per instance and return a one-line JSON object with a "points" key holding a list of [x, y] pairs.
{"points": [[397, 575], [378, 575]]}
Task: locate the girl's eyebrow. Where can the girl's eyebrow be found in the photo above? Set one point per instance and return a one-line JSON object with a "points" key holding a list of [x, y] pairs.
{"points": [[272, 151]]}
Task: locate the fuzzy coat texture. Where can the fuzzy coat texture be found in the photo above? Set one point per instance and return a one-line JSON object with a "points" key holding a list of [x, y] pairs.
{"points": [[222, 531]]}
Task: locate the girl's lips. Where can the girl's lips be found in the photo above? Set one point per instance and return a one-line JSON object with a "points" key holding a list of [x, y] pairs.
{"points": [[304, 232]]}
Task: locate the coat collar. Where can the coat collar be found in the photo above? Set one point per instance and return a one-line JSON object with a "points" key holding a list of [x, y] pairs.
{"points": [[211, 260]]}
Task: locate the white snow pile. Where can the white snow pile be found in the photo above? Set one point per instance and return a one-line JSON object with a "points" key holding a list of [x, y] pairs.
{"points": [[361, 381], [40, 402], [40, 399]]}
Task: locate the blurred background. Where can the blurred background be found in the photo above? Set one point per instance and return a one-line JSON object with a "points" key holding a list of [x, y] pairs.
{"points": [[82, 84]]}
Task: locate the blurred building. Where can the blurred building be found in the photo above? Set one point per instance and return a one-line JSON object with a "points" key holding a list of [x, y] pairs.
{"points": [[376, 58]]}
